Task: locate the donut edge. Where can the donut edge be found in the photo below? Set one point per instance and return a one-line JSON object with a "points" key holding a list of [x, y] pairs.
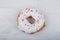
{"points": [[17, 19], [39, 29]]}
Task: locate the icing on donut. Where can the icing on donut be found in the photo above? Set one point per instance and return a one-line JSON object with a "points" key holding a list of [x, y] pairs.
{"points": [[30, 20]]}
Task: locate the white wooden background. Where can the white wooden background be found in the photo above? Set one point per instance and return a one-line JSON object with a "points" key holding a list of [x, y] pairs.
{"points": [[8, 13]]}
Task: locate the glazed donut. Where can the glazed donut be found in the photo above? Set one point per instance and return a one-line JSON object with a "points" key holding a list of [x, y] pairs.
{"points": [[30, 20]]}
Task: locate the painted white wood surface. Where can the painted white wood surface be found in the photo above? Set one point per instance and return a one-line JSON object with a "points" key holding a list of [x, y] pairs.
{"points": [[8, 13]]}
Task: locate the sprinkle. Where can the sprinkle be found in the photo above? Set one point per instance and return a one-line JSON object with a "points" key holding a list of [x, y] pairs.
{"points": [[38, 16], [34, 24], [29, 28], [27, 10], [22, 19], [36, 10], [31, 10], [25, 24], [38, 20]]}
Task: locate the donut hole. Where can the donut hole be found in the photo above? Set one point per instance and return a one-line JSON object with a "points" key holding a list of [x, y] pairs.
{"points": [[31, 20]]}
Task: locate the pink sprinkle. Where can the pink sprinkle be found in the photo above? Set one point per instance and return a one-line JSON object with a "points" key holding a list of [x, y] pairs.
{"points": [[28, 28], [38, 20], [27, 10], [27, 25]]}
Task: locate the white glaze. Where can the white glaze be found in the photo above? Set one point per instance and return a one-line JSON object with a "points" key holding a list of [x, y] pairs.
{"points": [[31, 28]]}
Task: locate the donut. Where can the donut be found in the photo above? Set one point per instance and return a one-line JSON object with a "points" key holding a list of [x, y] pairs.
{"points": [[30, 20]]}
